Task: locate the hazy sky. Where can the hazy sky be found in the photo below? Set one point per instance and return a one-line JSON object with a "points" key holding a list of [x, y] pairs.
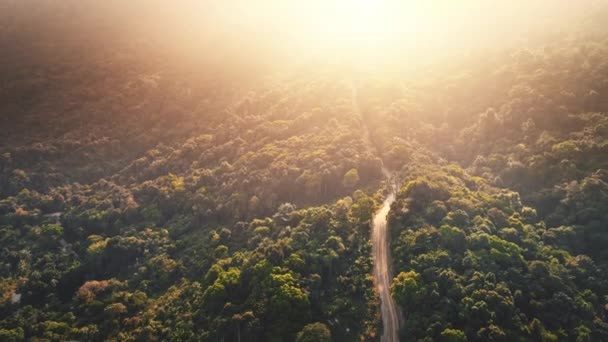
{"points": [[344, 27], [283, 30]]}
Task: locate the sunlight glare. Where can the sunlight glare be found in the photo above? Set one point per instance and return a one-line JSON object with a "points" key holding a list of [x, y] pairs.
{"points": [[365, 29]]}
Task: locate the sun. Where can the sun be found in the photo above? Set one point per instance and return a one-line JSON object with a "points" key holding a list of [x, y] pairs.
{"points": [[368, 30], [357, 27], [360, 20]]}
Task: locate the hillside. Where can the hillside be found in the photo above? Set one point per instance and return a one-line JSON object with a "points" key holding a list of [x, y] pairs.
{"points": [[149, 195]]}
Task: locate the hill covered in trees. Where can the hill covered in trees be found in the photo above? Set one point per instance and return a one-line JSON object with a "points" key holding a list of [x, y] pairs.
{"points": [[149, 195]]}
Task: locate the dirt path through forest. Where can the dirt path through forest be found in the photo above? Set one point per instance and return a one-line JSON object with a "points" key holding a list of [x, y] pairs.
{"points": [[380, 245]]}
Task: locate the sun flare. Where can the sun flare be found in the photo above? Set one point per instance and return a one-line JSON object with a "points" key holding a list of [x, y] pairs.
{"points": [[363, 29]]}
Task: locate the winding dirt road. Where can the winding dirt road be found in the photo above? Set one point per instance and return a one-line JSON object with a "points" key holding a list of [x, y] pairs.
{"points": [[381, 253], [382, 270]]}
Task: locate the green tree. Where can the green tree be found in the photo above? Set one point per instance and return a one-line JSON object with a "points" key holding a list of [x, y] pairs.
{"points": [[350, 179], [453, 335], [11, 335], [407, 289], [362, 210], [315, 332]]}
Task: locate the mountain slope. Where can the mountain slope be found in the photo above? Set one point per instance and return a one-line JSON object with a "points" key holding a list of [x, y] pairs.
{"points": [[149, 195]]}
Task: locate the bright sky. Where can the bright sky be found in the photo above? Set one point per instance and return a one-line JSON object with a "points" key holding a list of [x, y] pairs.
{"points": [[366, 30], [344, 26]]}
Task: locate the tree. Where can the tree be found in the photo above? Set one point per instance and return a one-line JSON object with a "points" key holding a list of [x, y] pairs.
{"points": [[408, 289], [12, 335], [350, 179], [453, 335], [315, 332], [288, 306], [238, 319], [52, 230], [115, 309], [362, 210]]}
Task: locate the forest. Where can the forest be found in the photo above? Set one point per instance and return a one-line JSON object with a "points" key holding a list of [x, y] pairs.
{"points": [[148, 195]]}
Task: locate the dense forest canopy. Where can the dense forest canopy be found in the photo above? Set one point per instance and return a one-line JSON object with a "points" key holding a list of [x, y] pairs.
{"points": [[210, 171]]}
